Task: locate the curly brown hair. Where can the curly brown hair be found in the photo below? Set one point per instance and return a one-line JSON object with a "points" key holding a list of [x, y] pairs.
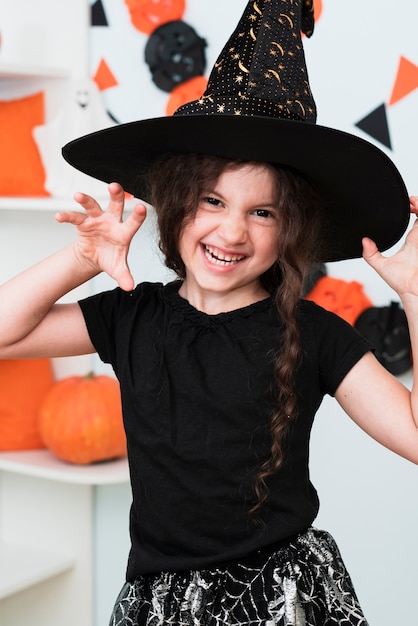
{"points": [[174, 188]]}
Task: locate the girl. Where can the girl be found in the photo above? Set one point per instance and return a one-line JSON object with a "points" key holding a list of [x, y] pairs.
{"points": [[221, 374], [222, 371]]}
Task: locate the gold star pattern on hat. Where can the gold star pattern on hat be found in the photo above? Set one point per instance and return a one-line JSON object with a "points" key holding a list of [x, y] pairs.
{"points": [[261, 69]]}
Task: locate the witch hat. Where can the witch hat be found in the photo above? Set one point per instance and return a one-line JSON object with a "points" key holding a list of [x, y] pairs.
{"points": [[258, 106]]}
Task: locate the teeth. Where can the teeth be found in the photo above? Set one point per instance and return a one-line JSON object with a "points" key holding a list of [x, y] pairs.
{"points": [[218, 257]]}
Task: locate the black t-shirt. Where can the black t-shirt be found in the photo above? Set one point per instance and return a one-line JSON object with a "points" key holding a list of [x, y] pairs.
{"points": [[196, 394]]}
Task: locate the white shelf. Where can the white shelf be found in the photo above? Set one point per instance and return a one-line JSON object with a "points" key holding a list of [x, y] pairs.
{"points": [[43, 464], [49, 203], [44, 203], [20, 72], [22, 567]]}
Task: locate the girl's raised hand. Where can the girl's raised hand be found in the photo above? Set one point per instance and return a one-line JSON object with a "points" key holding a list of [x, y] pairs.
{"points": [[399, 271], [103, 236]]}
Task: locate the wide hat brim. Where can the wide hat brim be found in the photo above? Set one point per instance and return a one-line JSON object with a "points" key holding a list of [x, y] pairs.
{"points": [[361, 188]]}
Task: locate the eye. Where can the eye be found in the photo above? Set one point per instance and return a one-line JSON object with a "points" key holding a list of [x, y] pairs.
{"points": [[212, 200], [265, 213]]}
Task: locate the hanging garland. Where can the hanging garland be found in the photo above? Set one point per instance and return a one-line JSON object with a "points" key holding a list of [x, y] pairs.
{"points": [[174, 53]]}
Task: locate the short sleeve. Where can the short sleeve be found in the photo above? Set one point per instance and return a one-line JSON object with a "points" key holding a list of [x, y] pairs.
{"points": [[100, 314], [338, 346], [111, 316]]}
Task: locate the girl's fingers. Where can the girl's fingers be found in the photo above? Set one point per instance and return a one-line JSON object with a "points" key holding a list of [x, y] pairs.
{"points": [[115, 206], [89, 204], [370, 252], [125, 280], [116, 199], [115, 189], [70, 217], [135, 220]]}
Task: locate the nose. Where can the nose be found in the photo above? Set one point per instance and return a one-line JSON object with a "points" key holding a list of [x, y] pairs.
{"points": [[233, 228]]}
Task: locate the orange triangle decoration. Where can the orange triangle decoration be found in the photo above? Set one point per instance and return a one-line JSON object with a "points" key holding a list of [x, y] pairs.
{"points": [[103, 77], [406, 80]]}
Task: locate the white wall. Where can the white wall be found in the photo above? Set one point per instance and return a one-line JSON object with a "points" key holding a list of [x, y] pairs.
{"points": [[367, 494]]}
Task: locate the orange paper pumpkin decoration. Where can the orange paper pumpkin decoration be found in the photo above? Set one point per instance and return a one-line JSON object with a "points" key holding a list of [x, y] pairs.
{"points": [[345, 298], [23, 386], [186, 92], [80, 419], [147, 15]]}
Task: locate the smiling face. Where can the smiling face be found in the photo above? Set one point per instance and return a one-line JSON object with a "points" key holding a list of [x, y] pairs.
{"points": [[232, 240]]}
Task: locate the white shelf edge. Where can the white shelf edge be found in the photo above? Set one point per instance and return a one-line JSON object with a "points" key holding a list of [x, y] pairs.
{"points": [[22, 567], [19, 72], [43, 464], [44, 203], [50, 203]]}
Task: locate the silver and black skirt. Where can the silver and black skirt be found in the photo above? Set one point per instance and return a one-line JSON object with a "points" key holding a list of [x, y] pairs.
{"points": [[302, 583]]}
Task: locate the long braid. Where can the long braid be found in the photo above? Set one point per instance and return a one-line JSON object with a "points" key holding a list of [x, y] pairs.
{"points": [[300, 215]]}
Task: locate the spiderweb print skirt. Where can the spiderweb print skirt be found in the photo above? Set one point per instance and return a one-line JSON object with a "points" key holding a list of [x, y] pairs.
{"points": [[304, 583]]}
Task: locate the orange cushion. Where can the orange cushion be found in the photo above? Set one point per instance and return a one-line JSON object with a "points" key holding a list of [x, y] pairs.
{"points": [[22, 172], [23, 386]]}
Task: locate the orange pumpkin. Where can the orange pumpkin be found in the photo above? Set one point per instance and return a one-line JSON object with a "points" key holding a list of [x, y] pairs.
{"points": [[80, 419], [23, 385]]}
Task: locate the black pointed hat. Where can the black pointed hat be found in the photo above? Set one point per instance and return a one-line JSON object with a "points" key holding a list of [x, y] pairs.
{"points": [[258, 106]]}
